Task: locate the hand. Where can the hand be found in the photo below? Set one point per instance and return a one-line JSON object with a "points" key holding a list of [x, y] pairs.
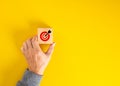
{"points": [[37, 60]]}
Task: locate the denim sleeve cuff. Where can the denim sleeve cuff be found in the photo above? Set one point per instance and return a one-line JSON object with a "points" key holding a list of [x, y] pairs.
{"points": [[30, 79]]}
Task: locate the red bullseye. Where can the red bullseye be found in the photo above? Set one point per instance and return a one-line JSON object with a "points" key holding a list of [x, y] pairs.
{"points": [[44, 36]]}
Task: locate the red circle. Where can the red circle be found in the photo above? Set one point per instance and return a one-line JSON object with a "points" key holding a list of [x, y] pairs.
{"points": [[44, 36]]}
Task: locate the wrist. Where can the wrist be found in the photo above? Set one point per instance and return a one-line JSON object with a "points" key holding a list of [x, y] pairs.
{"points": [[38, 72]]}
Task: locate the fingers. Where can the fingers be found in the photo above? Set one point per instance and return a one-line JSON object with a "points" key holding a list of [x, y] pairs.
{"points": [[35, 42], [50, 50], [32, 43], [24, 46], [29, 44]]}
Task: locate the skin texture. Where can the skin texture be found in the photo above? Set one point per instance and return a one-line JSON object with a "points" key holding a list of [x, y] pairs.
{"points": [[37, 60]]}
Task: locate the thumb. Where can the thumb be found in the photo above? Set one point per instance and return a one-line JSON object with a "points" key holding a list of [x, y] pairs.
{"points": [[50, 50]]}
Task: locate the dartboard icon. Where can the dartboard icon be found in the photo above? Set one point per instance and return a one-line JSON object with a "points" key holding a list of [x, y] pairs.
{"points": [[45, 36]]}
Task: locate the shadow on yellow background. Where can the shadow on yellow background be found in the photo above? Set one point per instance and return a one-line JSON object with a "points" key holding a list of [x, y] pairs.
{"points": [[86, 32]]}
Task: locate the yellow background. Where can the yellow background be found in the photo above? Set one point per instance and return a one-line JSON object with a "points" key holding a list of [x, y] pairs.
{"points": [[87, 36]]}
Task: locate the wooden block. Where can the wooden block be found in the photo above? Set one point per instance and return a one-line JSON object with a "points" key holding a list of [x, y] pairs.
{"points": [[45, 35]]}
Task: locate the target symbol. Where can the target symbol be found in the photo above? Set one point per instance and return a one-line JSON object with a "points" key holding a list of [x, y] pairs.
{"points": [[44, 36]]}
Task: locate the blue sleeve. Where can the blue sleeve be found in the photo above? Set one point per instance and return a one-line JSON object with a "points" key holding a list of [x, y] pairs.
{"points": [[30, 79]]}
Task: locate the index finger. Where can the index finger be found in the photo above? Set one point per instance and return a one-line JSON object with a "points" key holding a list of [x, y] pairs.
{"points": [[35, 43]]}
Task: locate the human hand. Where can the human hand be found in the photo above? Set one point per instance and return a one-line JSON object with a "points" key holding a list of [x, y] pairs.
{"points": [[37, 60]]}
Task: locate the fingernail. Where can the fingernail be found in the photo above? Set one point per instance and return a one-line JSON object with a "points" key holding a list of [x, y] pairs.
{"points": [[54, 43]]}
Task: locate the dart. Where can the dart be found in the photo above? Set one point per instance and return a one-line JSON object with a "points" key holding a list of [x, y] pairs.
{"points": [[49, 31]]}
